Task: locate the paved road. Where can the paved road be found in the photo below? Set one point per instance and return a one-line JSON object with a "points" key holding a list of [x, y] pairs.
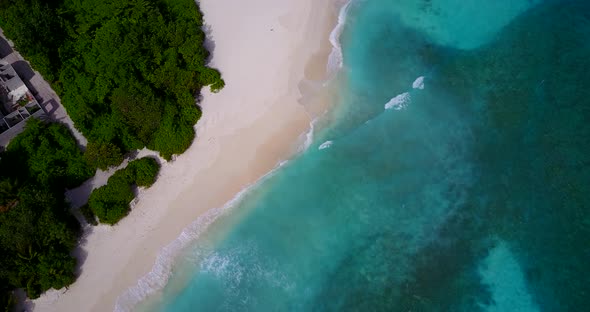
{"points": [[48, 99]]}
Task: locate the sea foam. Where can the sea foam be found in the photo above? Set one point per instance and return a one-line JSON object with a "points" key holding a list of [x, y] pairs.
{"points": [[399, 102], [326, 144], [158, 277], [336, 59], [308, 137], [418, 83]]}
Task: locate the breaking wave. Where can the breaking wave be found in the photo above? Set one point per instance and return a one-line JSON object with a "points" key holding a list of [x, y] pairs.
{"points": [[336, 59], [326, 144], [158, 277], [399, 102]]}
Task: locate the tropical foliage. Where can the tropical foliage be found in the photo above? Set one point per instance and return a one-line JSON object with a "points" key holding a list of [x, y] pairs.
{"points": [[127, 70], [37, 231], [110, 203], [103, 155]]}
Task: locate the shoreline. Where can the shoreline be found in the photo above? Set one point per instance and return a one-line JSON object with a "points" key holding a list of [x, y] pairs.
{"points": [[269, 53]]}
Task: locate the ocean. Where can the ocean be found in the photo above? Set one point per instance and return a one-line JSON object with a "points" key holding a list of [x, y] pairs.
{"points": [[451, 174]]}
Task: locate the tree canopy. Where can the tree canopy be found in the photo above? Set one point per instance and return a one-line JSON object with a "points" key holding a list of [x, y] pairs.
{"points": [[110, 203], [37, 231], [127, 71]]}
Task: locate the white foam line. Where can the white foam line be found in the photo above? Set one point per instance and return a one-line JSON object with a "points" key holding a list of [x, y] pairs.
{"points": [[418, 83], [325, 145], [336, 59], [158, 277], [399, 102], [308, 136]]}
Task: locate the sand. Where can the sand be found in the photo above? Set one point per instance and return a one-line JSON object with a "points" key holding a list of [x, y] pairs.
{"points": [[268, 51]]}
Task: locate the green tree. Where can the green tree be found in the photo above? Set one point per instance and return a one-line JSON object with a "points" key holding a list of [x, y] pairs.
{"points": [[35, 29], [49, 153], [110, 203], [145, 171], [103, 155], [127, 71], [37, 232]]}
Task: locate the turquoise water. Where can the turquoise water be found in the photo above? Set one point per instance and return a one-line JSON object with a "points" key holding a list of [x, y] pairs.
{"points": [[470, 192]]}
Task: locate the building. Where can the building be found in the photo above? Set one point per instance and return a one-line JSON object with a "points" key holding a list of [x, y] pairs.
{"points": [[17, 103]]}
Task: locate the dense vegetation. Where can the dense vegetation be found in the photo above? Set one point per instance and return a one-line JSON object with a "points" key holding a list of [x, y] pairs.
{"points": [[127, 70], [103, 155], [37, 231], [110, 203], [35, 31]]}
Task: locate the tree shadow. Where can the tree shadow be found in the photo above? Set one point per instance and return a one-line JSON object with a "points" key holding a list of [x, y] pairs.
{"points": [[79, 253], [132, 155], [209, 43], [5, 48], [26, 73], [24, 70], [78, 197]]}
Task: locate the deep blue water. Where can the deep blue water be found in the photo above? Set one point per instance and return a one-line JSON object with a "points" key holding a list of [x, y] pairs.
{"points": [[470, 194]]}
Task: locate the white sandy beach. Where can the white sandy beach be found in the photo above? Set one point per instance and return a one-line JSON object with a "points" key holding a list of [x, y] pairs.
{"points": [[267, 51]]}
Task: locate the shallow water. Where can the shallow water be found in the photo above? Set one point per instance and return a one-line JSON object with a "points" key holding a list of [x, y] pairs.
{"points": [[468, 194]]}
